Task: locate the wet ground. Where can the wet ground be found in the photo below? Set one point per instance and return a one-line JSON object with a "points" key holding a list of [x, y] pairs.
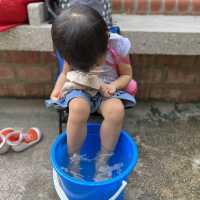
{"points": [[168, 136]]}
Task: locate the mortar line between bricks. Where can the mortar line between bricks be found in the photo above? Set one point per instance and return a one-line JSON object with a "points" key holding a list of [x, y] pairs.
{"points": [[190, 7], [147, 5], [122, 7], [176, 10], [162, 8], [136, 5]]}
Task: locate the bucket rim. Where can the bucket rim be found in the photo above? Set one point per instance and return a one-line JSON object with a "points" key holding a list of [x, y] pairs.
{"points": [[120, 177]]}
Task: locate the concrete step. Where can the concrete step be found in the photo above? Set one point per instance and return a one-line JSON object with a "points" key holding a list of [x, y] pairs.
{"points": [[155, 34], [159, 34]]}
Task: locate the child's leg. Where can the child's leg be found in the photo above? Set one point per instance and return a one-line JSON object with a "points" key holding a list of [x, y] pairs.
{"points": [[113, 113], [79, 110]]}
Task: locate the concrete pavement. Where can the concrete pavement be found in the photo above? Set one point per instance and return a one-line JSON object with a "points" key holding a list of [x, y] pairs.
{"points": [[169, 145]]}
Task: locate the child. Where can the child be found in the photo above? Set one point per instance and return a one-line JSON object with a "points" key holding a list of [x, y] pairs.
{"points": [[102, 6], [80, 35]]}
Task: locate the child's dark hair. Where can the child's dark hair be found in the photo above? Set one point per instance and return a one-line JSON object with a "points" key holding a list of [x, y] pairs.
{"points": [[80, 35]]}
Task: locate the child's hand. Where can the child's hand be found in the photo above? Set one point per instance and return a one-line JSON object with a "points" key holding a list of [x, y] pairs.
{"points": [[107, 90], [56, 95]]}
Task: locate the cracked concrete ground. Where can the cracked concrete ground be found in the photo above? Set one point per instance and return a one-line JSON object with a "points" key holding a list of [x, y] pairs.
{"points": [[168, 135]]}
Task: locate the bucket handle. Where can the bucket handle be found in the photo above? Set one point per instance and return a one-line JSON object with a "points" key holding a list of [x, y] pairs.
{"points": [[62, 195], [122, 187]]}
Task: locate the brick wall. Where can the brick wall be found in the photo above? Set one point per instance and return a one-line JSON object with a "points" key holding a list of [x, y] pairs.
{"points": [[172, 7], [26, 74], [171, 78]]}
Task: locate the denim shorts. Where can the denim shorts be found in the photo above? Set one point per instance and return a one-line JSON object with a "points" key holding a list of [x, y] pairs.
{"points": [[94, 101]]}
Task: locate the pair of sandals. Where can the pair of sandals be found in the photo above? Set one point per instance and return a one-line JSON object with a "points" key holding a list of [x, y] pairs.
{"points": [[18, 140]]}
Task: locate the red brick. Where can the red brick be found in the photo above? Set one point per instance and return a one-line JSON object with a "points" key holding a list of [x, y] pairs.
{"points": [[116, 6], [3, 90], [149, 60], [34, 74], [23, 90], [195, 6], [156, 92], [190, 94], [169, 5], [135, 60], [165, 92], [12, 90], [144, 60], [34, 90], [6, 73], [172, 94], [187, 61], [17, 57], [142, 6], [143, 91], [148, 74], [183, 75], [183, 6], [2, 56], [26, 57], [169, 92], [48, 89], [197, 61], [156, 6], [129, 6], [167, 60], [48, 57]]}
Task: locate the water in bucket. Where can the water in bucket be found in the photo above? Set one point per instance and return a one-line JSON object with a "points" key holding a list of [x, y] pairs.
{"points": [[101, 172], [71, 188]]}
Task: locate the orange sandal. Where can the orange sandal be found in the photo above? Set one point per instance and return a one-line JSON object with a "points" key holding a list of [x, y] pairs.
{"points": [[28, 139], [4, 134]]}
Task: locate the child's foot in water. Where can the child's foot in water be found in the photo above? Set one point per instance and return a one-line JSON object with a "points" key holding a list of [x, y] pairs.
{"points": [[74, 166], [102, 173], [102, 167]]}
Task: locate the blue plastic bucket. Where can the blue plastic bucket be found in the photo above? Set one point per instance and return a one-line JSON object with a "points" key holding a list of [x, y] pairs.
{"points": [[69, 188]]}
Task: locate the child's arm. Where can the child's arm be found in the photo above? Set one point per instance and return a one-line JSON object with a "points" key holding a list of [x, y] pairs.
{"points": [[125, 75], [56, 93]]}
